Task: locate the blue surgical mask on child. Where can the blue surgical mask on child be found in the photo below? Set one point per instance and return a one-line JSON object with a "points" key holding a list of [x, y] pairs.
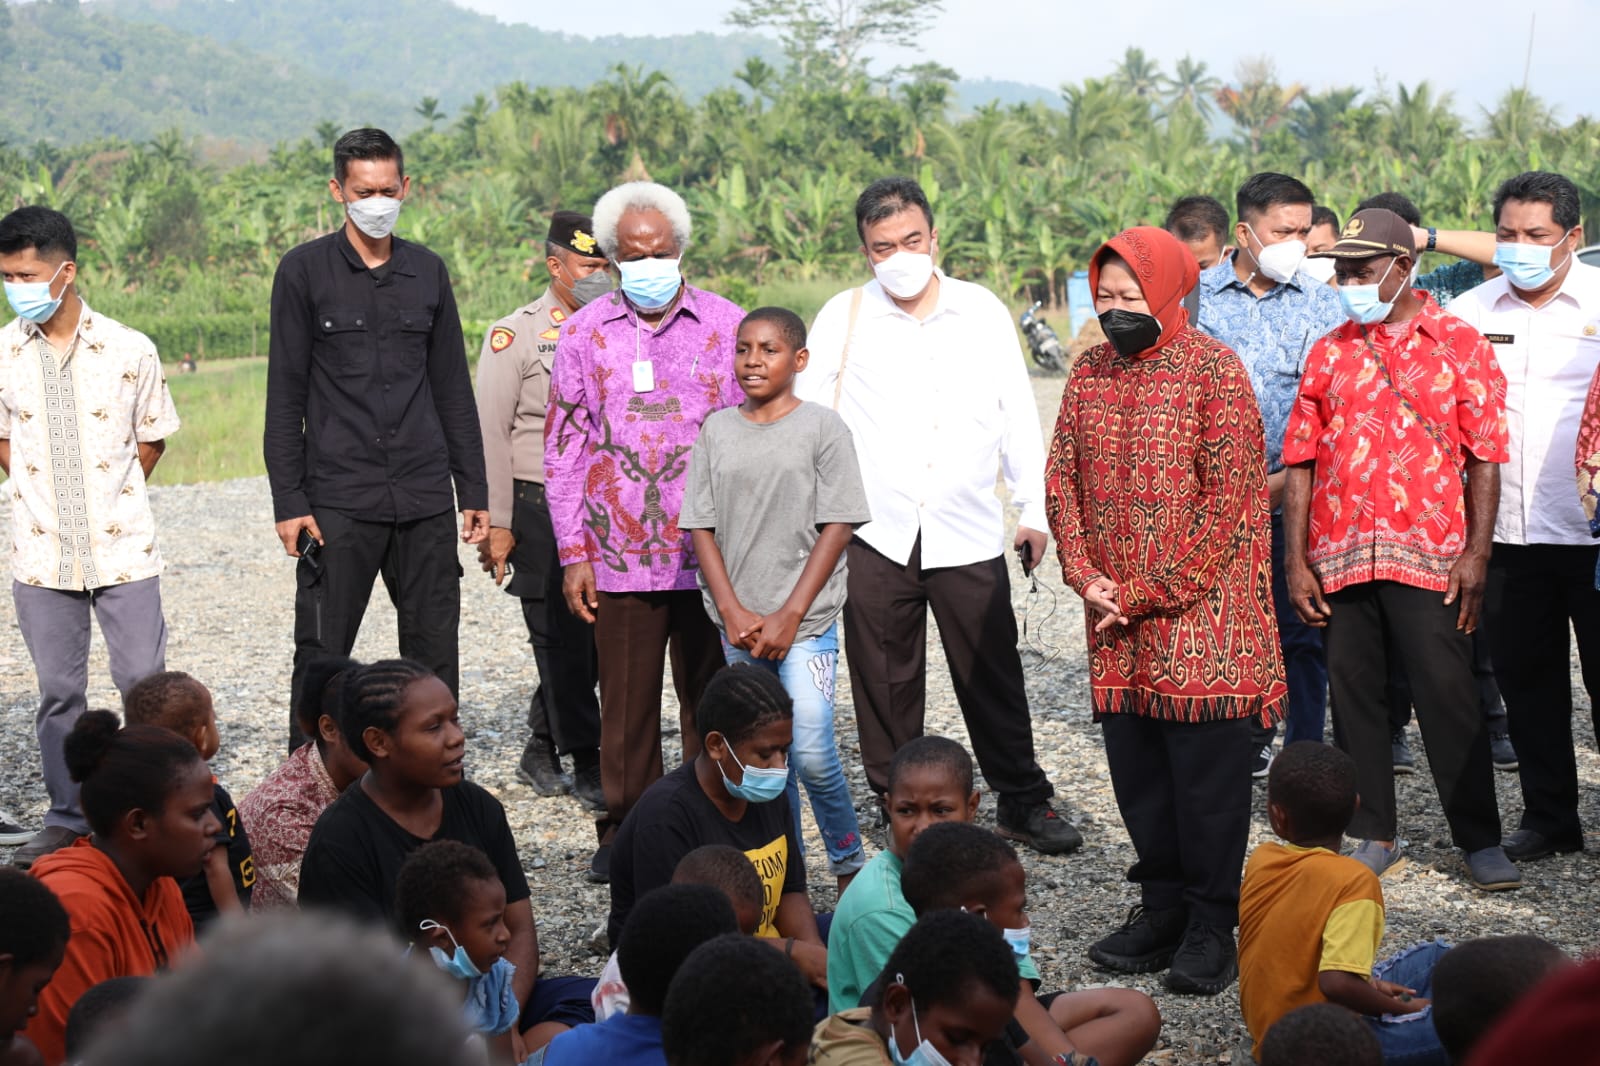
{"points": [[760, 784], [32, 300], [1362, 303], [1528, 266], [458, 965], [1021, 940], [650, 283], [924, 1054]]}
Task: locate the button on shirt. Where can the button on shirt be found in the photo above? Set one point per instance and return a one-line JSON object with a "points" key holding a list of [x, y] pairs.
{"points": [[936, 407], [1271, 334], [615, 456], [513, 392], [80, 518], [1549, 356], [366, 378]]}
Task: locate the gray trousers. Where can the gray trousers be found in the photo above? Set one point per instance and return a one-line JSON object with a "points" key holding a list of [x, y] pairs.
{"points": [[55, 626]]}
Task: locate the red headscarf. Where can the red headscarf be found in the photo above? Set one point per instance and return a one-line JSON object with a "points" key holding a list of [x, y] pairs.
{"points": [[1164, 267]]}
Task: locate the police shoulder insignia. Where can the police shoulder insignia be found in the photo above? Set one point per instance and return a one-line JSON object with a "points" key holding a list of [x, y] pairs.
{"points": [[500, 339], [583, 242], [550, 334]]}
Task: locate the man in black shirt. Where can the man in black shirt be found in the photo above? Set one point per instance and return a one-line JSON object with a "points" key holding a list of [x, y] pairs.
{"points": [[366, 379]]}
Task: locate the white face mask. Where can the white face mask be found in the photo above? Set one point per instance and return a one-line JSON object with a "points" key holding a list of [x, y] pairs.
{"points": [[904, 274], [375, 215], [1278, 261], [1321, 269]]}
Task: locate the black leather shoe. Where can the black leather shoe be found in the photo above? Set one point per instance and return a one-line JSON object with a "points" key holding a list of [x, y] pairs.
{"points": [[50, 838], [1039, 827], [1205, 963], [600, 866], [1145, 943], [540, 768], [1527, 845], [586, 779]]}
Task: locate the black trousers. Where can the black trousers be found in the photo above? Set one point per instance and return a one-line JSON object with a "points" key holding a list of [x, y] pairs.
{"points": [[1535, 591], [1494, 709], [1371, 623], [1184, 791], [886, 640], [418, 563], [564, 708]]}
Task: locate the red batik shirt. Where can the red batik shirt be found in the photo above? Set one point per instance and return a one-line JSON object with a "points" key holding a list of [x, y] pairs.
{"points": [[1387, 502]]}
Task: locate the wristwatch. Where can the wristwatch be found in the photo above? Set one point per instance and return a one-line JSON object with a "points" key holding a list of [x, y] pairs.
{"points": [[1433, 239]]}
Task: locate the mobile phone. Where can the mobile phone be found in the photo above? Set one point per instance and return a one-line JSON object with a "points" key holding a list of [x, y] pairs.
{"points": [[309, 548], [1025, 556]]}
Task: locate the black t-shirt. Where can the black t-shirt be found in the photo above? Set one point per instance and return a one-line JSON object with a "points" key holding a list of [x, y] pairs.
{"points": [[675, 816], [196, 893], [356, 850]]}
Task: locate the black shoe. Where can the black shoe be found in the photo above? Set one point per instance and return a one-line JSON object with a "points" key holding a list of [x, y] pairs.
{"points": [[600, 866], [586, 779], [1039, 827], [1206, 962], [1263, 762], [1400, 753], [1501, 753], [1145, 943], [540, 768], [1527, 845], [12, 834], [51, 838]]}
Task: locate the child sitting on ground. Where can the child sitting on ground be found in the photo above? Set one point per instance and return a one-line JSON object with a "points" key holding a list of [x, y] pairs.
{"points": [[950, 984], [930, 780], [772, 496], [662, 929], [33, 938], [450, 901], [736, 1002], [955, 865], [1320, 1034], [1478, 982], [719, 866], [175, 701], [1310, 919]]}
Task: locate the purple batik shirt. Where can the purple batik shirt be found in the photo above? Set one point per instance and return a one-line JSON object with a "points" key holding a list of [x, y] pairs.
{"points": [[615, 458]]}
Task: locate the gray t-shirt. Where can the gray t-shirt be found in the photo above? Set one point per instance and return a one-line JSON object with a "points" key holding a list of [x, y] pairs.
{"points": [[764, 489]]}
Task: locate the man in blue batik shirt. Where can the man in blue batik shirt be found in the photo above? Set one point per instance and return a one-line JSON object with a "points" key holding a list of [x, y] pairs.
{"points": [[1262, 305]]}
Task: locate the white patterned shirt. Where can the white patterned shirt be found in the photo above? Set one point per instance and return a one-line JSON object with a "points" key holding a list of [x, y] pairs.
{"points": [[80, 518]]}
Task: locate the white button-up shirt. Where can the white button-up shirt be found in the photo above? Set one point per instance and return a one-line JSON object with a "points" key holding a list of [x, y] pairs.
{"points": [[936, 407], [80, 518], [1549, 355]]}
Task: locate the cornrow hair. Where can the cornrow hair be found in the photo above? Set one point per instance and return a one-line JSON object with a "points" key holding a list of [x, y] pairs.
{"points": [[33, 923], [432, 883], [741, 700], [372, 697], [170, 699], [321, 693]]}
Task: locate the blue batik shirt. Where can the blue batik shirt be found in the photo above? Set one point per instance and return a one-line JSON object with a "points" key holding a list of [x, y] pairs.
{"points": [[1272, 334], [1451, 280]]}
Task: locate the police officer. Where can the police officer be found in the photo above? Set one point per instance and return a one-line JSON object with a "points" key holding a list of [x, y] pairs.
{"points": [[513, 392]]}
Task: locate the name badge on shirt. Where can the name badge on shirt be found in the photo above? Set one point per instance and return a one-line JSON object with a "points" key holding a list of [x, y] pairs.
{"points": [[1500, 338], [644, 376]]}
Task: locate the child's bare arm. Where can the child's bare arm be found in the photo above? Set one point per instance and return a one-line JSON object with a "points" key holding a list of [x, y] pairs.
{"points": [[501, 1052], [738, 621], [778, 629], [1372, 998], [1046, 1041], [219, 881]]}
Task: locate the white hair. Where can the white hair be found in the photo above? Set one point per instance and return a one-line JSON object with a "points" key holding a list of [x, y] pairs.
{"points": [[639, 196]]}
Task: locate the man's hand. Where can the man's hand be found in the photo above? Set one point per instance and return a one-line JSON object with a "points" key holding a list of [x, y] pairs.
{"points": [[474, 526], [1101, 596], [1036, 543], [289, 533], [741, 624], [775, 635], [577, 585], [495, 550], [1467, 579], [1305, 593]]}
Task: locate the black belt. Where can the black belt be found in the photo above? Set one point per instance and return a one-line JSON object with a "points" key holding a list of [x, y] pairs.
{"points": [[528, 490]]}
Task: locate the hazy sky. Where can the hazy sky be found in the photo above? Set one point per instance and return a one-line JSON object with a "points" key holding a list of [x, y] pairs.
{"points": [[1475, 48]]}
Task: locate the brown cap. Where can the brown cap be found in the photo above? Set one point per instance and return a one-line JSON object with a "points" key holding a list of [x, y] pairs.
{"points": [[574, 232], [1375, 231]]}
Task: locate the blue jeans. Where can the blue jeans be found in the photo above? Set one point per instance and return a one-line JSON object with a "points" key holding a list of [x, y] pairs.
{"points": [[1305, 664], [808, 673], [1410, 1039]]}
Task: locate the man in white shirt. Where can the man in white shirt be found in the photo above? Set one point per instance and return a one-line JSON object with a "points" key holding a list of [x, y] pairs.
{"points": [[1543, 317], [926, 371]]}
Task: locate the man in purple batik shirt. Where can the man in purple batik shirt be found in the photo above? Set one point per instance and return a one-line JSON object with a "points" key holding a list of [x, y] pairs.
{"points": [[636, 373]]}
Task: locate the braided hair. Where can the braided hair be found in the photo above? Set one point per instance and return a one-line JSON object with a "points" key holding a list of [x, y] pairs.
{"points": [[740, 701], [123, 768], [321, 693], [372, 697]]}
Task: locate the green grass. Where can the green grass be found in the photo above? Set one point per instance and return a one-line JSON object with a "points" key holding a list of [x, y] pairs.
{"points": [[223, 409]]}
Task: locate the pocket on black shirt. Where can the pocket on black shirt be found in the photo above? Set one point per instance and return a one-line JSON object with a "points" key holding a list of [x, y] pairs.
{"points": [[411, 339], [343, 335]]}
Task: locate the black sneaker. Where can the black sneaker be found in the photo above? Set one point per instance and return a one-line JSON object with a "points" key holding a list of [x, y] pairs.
{"points": [[540, 768], [1145, 943], [586, 779], [11, 833], [1039, 827], [1400, 753], [1205, 963], [600, 866], [1263, 763], [1501, 753]]}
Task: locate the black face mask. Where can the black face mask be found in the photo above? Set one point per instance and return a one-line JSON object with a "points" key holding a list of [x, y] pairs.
{"points": [[1129, 331]]}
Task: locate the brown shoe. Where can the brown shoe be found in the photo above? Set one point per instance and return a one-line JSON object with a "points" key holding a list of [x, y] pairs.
{"points": [[50, 838]]}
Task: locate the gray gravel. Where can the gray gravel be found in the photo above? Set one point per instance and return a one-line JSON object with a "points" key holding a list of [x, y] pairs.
{"points": [[229, 592]]}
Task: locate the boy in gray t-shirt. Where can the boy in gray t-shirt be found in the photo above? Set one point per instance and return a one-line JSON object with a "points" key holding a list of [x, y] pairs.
{"points": [[774, 492]]}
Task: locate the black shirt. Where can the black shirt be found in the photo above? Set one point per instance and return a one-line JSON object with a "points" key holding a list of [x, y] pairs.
{"points": [[369, 401], [355, 853], [675, 816], [196, 892]]}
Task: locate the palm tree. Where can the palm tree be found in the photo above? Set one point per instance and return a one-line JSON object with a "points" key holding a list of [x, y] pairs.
{"points": [[1320, 120], [429, 110], [1519, 120], [1191, 84], [1138, 74], [1419, 124], [1259, 103]]}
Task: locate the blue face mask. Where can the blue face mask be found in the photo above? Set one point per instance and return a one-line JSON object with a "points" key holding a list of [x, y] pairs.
{"points": [[458, 965], [1527, 265], [651, 283], [924, 1054], [760, 784], [1021, 940], [1363, 304], [32, 300]]}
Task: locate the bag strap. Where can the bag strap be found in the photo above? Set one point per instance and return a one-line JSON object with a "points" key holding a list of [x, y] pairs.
{"points": [[849, 335], [1434, 432]]}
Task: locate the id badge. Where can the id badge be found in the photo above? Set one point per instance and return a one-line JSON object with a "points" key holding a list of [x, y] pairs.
{"points": [[644, 376]]}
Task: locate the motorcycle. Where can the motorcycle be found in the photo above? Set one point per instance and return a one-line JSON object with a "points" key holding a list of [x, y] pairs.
{"points": [[1043, 344]]}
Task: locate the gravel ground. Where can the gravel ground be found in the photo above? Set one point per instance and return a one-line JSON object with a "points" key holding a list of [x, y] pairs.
{"points": [[229, 593]]}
